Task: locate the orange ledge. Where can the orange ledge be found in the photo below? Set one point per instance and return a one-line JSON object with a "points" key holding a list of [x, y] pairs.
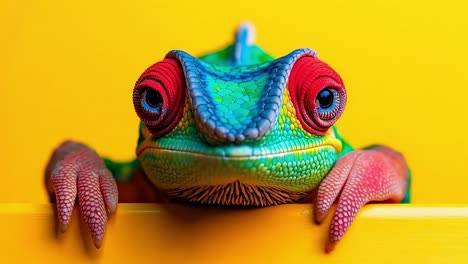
{"points": [[156, 233]]}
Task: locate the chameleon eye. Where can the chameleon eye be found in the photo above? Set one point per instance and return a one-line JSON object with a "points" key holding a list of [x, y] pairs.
{"points": [[317, 93], [153, 100], [328, 103], [150, 103], [159, 96], [325, 98]]}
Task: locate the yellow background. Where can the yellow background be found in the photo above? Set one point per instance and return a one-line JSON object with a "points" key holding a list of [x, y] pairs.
{"points": [[67, 69]]}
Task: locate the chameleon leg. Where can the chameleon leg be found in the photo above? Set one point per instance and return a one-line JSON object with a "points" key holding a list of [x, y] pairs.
{"points": [[78, 172], [374, 174]]}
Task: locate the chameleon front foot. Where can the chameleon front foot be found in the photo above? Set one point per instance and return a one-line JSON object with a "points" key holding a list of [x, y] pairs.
{"points": [[76, 171], [374, 174]]}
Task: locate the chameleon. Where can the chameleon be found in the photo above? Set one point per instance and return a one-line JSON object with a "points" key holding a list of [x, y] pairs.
{"points": [[238, 128]]}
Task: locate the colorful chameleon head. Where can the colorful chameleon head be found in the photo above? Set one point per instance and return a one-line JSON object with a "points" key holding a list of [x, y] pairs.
{"points": [[255, 131]]}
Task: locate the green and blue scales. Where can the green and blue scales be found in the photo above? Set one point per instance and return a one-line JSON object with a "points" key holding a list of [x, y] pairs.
{"points": [[239, 130]]}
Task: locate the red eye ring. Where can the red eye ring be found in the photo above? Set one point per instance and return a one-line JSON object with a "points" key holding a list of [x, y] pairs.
{"points": [[309, 78], [159, 96]]}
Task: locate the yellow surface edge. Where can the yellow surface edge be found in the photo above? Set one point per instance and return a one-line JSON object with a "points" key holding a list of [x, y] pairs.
{"points": [[157, 233]]}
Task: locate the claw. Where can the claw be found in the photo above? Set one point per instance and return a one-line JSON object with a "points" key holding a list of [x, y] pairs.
{"points": [[376, 174], [330, 246]]}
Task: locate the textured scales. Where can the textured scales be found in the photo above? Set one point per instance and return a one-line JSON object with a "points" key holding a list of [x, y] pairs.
{"points": [[288, 157], [236, 103], [80, 173], [376, 174], [241, 133], [241, 124]]}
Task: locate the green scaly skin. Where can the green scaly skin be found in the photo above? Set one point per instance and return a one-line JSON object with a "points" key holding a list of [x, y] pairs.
{"points": [[288, 157]]}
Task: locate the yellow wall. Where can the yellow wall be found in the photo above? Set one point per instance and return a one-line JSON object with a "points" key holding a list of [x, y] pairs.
{"points": [[67, 70]]}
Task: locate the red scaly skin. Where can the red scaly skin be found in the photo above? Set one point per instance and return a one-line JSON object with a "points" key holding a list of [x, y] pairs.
{"points": [[308, 77], [375, 174], [167, 78], [79, 172], [76, 171]]}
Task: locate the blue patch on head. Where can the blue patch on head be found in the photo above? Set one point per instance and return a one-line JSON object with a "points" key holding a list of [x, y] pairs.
{"points": [[201, 77]]}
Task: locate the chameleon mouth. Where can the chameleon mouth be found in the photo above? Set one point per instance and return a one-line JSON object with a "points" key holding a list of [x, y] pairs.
{"points": [[237, 175], [236, 152], [240, 181], [239, 152], [235, 194]]}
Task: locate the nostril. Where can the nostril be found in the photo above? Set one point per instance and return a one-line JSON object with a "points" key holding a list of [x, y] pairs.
{"points": [[251, 132], [221, 132], [240, 138], [263, 125]]}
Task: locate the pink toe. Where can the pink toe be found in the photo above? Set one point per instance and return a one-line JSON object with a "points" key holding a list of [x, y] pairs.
{"points": [[63, 181], [91, 204]]}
